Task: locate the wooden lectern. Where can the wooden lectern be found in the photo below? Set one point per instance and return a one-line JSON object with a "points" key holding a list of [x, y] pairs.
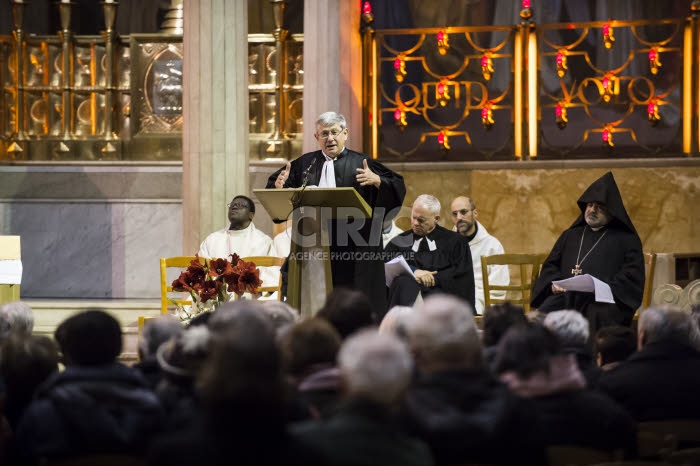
{"points": [[309, 278], [10, 269]]}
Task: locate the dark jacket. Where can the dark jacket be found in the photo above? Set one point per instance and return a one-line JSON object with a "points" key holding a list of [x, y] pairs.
{"points": [[89, 410], [660, 381], [363, 433], [467, 416]]}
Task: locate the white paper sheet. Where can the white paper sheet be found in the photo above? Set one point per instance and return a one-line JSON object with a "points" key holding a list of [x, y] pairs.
{"points": [[588, 283], [394, 267], [11, 272]]}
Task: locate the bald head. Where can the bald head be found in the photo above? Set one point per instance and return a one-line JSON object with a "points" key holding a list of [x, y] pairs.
{"points": [[463, 214]]}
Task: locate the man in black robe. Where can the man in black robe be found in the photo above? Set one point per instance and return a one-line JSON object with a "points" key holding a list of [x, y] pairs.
{"points": [[336, 166], [602, 242], [440, 259]]}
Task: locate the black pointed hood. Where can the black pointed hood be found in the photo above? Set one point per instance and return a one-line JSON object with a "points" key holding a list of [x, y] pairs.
{"points": [[605, 190]]}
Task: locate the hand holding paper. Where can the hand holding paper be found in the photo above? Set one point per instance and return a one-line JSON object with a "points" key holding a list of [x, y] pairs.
{"points": [[590, 284]]}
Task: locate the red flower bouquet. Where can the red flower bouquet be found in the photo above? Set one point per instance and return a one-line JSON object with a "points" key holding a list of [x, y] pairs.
{"points": [[211, 283]]}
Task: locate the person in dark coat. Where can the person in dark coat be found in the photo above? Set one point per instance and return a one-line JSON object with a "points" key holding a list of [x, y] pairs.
{"points": [[602, 242], [454, 403], [531, 362], [334, 165], [662, 379], [96, 405], [376, 369], [440, 259]]}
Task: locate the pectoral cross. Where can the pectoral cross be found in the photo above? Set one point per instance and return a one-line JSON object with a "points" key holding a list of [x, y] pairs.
{"points": [[576, 270]]}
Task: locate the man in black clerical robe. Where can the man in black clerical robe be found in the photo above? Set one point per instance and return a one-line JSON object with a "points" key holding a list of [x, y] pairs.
{"points": [[440, 259], [602, 242], [336, 166]]}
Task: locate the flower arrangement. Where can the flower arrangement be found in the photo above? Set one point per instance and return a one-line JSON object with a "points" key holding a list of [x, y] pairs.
{"points": [[211, 283]]}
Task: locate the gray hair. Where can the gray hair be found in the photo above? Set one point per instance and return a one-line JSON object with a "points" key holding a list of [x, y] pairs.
{"points": [[443, 332], [330, 119], [16, 318], [666, 323], [280, 313], [156, 332], [430, 202], [394, 321], [571, 327], [375, 366]]}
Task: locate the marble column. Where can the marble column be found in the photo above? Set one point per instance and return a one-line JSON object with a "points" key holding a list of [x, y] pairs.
{"points": [[215, 130], [332, 66]]}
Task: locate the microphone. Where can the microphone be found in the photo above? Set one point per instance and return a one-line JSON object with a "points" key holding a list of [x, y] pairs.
{"points": [[299, 195]]}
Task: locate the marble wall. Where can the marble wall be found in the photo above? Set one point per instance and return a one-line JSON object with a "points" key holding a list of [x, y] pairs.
{"points": [[92, 232], [98, 231]]}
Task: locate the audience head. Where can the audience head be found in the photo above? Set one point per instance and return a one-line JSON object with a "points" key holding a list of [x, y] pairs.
{"points": [[90, 338], [241, 211], [241, 380], [569, 326], [526, 350], [664, 324], [348, 311], [26, 361], [498, 318], [182, 356], [395, 321], [614, 344], [308, 344], [375, 367], [443, 335], [425, 214], [156, 332], [16, 317], [280, 313]]}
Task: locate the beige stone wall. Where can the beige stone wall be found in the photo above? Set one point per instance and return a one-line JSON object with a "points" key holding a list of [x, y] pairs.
{"points": [[527, 208]]}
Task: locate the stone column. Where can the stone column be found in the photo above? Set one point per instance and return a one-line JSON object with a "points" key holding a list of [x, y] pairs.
{"points": [[215, 109], [332, 66]]}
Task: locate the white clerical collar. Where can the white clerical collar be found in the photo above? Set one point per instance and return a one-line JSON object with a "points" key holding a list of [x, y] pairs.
{"points": [[416, 244], [328, 158]]}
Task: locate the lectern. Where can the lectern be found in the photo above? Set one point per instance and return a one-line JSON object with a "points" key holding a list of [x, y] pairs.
{"points": [[311, 209], [10, 269]]}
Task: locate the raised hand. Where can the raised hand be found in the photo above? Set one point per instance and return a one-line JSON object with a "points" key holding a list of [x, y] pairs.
{"points": [[282, 178], [365, 176]]}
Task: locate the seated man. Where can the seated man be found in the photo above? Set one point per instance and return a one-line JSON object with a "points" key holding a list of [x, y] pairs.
{"points": [[661, 380], [601, 242], [481, 243], [440, 259], [96, 405], [242, 238]]}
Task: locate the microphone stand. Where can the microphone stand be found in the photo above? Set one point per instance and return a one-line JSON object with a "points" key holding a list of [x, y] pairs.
{"points": [[299, 195]]}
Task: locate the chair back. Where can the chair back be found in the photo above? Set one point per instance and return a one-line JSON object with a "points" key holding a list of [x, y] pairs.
{"points": [[180, 262], [517, 293], [649, 266], [268, 261], [575, 455]]}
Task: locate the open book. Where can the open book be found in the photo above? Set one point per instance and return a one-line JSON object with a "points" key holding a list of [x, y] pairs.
{"points": [[394, 267], [588, 283]]}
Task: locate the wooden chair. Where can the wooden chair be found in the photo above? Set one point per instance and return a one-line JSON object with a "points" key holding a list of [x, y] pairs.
{"points": [[180, 262], [649, 266], [268, 261], [523, 290], [685, 432], [575, 455]]}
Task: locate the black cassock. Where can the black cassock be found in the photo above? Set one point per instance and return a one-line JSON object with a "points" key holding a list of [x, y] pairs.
{"points": [[612, 254], [367, 272], [452, 259]]}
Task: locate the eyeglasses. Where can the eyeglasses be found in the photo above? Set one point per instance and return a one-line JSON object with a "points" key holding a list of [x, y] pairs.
{"points": [[327, 134], [237, 205]]}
